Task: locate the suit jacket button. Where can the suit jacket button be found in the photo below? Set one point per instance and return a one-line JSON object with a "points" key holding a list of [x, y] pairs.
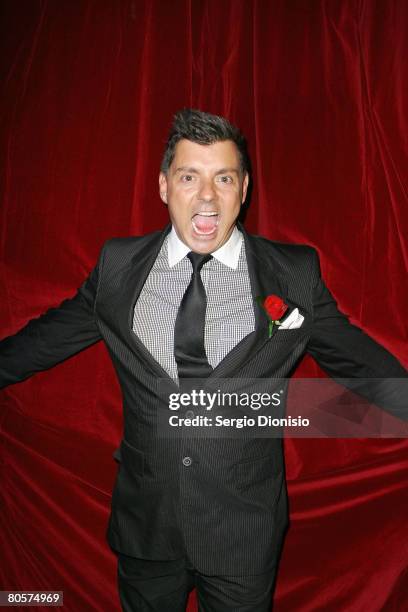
{"points": [[189, 414], [187, 461]]}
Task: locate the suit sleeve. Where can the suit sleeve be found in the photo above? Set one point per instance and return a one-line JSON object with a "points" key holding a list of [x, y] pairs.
{"points": [[56, 335], [345, 351]]}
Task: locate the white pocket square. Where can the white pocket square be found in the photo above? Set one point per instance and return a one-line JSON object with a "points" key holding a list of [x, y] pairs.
{"points": [[292, 321]]}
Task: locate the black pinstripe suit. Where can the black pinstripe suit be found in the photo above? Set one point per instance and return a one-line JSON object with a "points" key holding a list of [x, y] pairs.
{"points": [[228, 509]]}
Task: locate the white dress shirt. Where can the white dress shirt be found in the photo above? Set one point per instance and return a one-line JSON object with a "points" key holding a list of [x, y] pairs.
{"points": [[228, 253]]}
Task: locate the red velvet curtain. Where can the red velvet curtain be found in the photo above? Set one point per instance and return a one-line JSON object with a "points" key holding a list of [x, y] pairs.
{"points": [[90, 87]]}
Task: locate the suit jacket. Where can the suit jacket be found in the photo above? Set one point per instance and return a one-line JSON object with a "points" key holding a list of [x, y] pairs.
{"points": [[228, 507]]}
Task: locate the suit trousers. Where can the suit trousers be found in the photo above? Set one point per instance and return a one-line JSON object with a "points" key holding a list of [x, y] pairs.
{"points": [[164, 586]]}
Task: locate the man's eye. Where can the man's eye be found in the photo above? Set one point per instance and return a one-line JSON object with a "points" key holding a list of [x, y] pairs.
{"points": [[225, 179], [187, 178]]}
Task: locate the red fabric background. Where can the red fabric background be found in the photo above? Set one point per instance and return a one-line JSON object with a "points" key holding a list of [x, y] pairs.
{"points": [[90, 87]]}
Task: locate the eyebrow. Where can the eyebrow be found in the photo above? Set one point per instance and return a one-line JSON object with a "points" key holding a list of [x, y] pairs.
{"points": [[195, 171], [186, 169]]}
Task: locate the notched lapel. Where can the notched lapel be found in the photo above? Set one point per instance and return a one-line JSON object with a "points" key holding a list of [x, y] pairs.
{"points": [[133, 279], [265, 280]]}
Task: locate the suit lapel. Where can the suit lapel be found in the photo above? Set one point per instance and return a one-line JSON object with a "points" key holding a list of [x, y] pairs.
{"points": [[134, 278]]}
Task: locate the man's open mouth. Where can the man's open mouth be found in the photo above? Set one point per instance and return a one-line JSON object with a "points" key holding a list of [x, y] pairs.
{"points": [[205, 223]]}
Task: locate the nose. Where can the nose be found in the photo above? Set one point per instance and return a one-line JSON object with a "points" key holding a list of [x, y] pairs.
{"points": [[206, 192]]}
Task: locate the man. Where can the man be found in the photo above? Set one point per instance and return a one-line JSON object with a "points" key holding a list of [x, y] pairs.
{"points": [[181, 304]]}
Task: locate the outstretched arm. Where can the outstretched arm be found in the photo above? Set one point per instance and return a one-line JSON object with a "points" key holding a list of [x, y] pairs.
{"points": [[54, 336], [345, 351]]}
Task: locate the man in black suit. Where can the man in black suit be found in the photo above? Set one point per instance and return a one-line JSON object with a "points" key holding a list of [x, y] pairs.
{"points": [[178, 305]]}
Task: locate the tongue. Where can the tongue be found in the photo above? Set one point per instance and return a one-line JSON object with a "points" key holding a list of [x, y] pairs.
{"points": [[205, 224]]}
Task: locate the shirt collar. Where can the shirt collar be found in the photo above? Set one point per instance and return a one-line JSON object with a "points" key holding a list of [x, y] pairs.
{"points": [[228, 253]]}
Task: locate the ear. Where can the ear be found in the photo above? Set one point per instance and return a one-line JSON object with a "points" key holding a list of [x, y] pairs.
{"points": [[163, 187], [245, 184]]}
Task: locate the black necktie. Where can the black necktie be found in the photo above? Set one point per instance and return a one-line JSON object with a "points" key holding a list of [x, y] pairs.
{"points": [[189, 348]]}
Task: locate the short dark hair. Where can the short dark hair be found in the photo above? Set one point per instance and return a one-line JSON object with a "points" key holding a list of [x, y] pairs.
{"points": [[203, 128]]}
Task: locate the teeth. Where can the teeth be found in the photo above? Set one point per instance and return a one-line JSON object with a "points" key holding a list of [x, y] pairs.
{"points": [[207, 214]]}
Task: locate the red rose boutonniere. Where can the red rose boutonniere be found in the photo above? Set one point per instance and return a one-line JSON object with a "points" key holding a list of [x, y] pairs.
{"points": [[274, 307]]}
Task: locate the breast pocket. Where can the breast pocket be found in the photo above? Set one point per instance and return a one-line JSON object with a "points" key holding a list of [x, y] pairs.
{"points": [[288, 335]]}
